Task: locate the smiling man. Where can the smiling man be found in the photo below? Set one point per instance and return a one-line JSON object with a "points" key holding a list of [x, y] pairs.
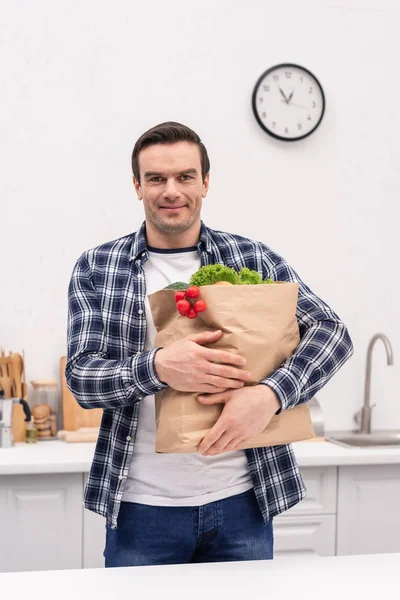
{"points": [[218, 504], [169, 180]]}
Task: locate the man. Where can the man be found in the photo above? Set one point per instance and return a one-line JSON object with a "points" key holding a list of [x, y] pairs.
{"points": [[218, 504]]}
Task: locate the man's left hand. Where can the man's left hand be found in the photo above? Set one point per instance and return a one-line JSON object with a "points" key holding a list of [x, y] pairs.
{"points": [[246, 413]]}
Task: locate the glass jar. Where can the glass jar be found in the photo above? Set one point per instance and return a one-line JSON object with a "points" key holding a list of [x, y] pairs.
{"points": [[45, 404]]}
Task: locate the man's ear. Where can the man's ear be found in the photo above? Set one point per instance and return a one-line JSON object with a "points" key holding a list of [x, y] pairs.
{"points": [[206, 184], [137, 188]]}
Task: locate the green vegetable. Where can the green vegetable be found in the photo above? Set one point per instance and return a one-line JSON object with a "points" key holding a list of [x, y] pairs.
{"points": [[249, 277], [210, 274], [179, 285]]}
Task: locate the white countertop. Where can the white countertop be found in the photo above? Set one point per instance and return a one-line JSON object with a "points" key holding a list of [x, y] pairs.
{"points": [[368, 577], [61, 457]]}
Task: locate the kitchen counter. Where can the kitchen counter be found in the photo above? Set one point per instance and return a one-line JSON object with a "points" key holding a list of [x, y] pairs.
{"points": [[61, 457], [368, 577]]}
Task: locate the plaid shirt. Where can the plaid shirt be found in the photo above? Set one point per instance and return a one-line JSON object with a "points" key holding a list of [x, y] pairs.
{"points": [[108, 368]]}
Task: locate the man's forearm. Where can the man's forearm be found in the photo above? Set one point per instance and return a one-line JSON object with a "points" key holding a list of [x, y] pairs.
{"points": [[320, 354], [97, 382]]}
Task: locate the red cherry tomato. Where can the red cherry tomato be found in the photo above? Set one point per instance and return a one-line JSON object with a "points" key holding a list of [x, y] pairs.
{"points": [[199, 306], [191, 313], [180, 295], [183, 306], [192, 292]]}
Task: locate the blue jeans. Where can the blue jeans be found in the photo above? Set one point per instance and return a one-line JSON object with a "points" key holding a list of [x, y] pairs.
{"points": [[226, 530]]}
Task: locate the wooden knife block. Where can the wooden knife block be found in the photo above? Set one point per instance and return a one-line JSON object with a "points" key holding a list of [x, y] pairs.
{"points": [[74, 416]]}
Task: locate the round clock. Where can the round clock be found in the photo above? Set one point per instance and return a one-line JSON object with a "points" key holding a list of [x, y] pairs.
{"points": [[288, 102]]}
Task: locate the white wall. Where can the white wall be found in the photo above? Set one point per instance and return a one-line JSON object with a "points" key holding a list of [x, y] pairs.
{"points": [[81, 80]]}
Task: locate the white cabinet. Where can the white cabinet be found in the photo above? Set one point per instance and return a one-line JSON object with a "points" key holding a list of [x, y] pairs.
{"points": [[304, 536], [94, 537], [309, 528], [41, 522], [368, 509], [348, 510]]}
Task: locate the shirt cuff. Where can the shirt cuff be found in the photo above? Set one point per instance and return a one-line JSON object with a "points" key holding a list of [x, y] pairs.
{"points": [[145, 375], [285, 384]]}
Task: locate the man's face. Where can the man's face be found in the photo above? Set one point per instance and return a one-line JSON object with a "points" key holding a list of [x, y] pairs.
{"points": [[171, 188]]}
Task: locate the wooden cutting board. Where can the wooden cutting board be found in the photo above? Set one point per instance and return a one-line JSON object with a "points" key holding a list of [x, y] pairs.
{"points": [[74, 416]]}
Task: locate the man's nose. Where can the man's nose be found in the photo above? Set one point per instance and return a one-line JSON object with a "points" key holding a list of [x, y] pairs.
{"points": [[171, 190]]}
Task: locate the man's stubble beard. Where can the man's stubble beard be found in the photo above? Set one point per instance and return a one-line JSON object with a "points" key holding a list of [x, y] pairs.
{"points": [[169, 226]]}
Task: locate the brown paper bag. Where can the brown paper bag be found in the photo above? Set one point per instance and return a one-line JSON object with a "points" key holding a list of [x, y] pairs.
{"points": [[259, 323]]}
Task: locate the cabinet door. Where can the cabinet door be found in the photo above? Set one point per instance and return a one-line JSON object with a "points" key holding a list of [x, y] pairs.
{"points": [[321, 484], [368, 509], [304, 536], [94, 534], [41, 519]]}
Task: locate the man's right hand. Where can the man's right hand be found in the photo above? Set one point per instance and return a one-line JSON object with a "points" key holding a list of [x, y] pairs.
{"points": [[188, 367]]}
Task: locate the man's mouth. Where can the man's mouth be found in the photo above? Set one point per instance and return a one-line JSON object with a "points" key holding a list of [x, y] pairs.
{"points": [[173, 208]]}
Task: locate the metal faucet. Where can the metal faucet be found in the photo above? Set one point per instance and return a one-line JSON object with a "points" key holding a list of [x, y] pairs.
{"points": [[363, 417]]}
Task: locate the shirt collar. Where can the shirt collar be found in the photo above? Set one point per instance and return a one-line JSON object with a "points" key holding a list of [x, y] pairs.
{"points": [[139, 244]]}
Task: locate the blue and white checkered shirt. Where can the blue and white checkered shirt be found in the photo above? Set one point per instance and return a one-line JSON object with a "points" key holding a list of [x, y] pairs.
{"points": [[108, 368]]}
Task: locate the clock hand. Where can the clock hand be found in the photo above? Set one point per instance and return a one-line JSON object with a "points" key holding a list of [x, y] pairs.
{"points": [[286, 100], [298, 105], [290, 97]]}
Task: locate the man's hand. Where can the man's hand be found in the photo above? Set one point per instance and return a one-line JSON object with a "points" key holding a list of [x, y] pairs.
{"points": [[246, 413], [187, 366]]}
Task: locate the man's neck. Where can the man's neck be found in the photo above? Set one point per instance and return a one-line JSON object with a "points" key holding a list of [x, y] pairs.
{"points": [[185, 239]]}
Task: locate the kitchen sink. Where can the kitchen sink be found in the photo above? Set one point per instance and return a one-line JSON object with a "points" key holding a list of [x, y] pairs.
{"points": [[362, 440]]}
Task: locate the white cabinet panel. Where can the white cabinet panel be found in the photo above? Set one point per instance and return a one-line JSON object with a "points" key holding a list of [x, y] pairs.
{"points": [[4, 542], [41, 522], [304, 536], [321, 484], [368, 509], [94, 537]]}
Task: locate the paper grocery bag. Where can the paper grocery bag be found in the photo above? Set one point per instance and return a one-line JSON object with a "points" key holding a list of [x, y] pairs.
{"points": [[259, 323]]}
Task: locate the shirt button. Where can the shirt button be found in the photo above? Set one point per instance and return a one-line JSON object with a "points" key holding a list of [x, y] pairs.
{"points": [[140, 312], [128, 438], [140, 276], [121, 477]]}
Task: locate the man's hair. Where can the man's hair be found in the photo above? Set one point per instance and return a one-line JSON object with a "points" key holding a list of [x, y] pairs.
{"points": [[169, 133]]}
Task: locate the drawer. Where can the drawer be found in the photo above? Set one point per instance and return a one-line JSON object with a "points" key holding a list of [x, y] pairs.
{"points": [[304, 536], [321, 484]]}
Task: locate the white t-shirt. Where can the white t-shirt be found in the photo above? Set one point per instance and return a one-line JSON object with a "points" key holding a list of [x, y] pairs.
{"points": [[176, 479]]}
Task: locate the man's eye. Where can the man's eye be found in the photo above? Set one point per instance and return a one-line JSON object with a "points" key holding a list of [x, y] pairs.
{"points": [[186, 177], [156, 179]]}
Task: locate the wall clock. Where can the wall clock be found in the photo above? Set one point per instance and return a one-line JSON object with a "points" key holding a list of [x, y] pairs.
{"points": [[288, 102]]}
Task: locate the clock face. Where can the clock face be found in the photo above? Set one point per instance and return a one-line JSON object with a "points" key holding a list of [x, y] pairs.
{"points": [[288, 102]]}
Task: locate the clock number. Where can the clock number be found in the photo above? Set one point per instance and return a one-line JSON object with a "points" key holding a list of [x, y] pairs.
{"points": [[314, 104], [273, 124], [264, 115], [309, 118], [261, 99], [286, 130], [301, 79], [299, 126], [267, 88], [310, 90], [288, 74], [275, 78]]}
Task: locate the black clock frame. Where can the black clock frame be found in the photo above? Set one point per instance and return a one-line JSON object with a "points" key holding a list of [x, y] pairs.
{"points": [[253, 101]]}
